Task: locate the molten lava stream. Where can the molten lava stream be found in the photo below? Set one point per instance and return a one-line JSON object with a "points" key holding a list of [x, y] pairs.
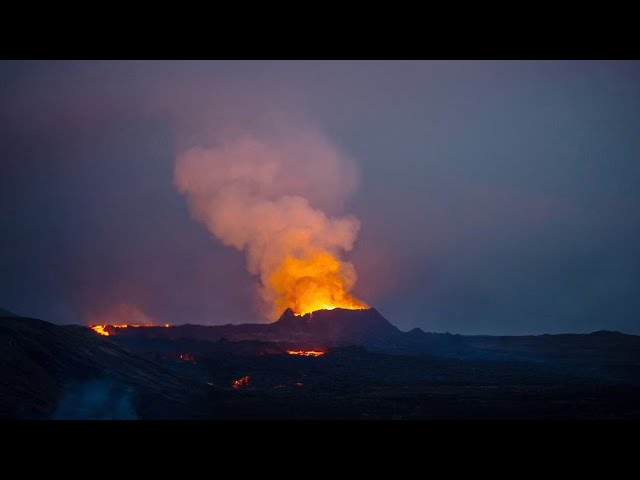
{"points": [[306, 353], [99, 329], [241, 382], [102, 329]]}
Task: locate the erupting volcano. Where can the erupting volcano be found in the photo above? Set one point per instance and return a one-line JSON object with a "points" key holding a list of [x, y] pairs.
{"points": [[274, 197], [317, 283]]}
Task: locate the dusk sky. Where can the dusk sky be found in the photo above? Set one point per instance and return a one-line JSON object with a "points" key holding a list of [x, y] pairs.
{"points": [[492, 197]]}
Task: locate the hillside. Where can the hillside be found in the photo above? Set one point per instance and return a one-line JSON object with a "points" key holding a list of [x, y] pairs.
{"points": [[366, 369], [43, 366]]}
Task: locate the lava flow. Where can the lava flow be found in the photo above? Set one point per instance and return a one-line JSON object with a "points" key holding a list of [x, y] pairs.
{"points": [[102, 329], [99, 329], [306, 353], [241, 382]]}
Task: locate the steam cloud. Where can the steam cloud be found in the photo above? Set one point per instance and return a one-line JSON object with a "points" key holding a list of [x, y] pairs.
{"points": [[275, 197]]}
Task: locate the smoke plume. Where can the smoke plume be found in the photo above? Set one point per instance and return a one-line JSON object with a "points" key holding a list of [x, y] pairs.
{"points": [[275, 197]]}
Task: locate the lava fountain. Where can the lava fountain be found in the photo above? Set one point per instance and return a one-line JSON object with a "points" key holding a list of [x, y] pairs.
{"points": [[316, 283]]}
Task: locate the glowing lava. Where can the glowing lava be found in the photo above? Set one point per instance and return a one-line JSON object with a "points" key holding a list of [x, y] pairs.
{"points": [[319, 282], [306, 353], [102, 329], [241, 382], [99, 329]]}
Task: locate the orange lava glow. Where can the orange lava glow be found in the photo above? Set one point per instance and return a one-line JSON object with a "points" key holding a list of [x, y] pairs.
{"points": [[102, 329], [99, 329], [320, 282], [306, 353], [241, 382]]}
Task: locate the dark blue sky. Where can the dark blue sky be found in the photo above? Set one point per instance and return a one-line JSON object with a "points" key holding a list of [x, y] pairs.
{"points": [[495, 197]]}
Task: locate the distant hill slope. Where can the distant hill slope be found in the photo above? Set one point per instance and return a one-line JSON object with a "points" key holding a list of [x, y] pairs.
{"points": [[338, 327], [43, 365], [6, 313]]}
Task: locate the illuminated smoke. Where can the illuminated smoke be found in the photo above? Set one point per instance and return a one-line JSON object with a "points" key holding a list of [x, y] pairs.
{"points": [[275, 197]]}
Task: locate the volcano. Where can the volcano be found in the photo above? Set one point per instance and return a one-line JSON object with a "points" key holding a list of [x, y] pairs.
{"points": [[337, 327]]}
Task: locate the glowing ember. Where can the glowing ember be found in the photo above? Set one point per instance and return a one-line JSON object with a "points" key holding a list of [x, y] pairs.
{"points": [[306, 353], [241, 382], [320, 282], [187, 357]]}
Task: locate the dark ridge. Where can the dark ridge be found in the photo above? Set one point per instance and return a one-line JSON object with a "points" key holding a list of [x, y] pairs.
{"points": [[369, 370], [603, 333], [6, 313], [338, 326], [40, 363]]}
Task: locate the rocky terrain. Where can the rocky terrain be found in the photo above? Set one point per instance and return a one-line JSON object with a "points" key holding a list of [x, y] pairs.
{"points": [[364, 368]]}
